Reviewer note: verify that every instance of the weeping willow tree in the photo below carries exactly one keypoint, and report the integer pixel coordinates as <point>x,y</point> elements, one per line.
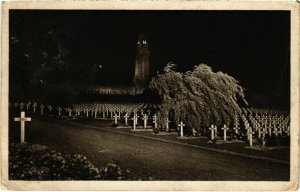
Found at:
<point>199,98</point>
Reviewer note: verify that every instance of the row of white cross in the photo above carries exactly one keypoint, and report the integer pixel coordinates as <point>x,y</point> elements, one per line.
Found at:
<point>93,108</point>
<point>22,119</point>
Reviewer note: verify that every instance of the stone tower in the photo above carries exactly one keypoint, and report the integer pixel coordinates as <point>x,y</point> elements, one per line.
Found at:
<point>142,67</point>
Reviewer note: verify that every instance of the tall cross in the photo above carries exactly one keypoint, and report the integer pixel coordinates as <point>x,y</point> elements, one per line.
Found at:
<point>181,125</point>
<point>95,113</point>
<point>250,136</point>
<point>103,113</point>
<point>22,120</point>
<point>134,120</point>
<point>116,118</point>
<point>264,132</point>
<point>59,111</point>
<point>145,118</point>
<point>225,131</point>
<point>167,123</point>
<point>212,135</point>
<point>126,118</point>
<point>34,106</point>
<point>259,132</point>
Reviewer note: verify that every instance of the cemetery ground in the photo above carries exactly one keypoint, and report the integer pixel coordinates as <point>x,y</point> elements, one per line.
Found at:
<point>149,156</point>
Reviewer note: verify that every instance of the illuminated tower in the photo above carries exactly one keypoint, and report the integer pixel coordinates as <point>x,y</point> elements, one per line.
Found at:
<point>142,67</point>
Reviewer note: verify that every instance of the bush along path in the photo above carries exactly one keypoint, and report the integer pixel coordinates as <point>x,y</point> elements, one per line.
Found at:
<point>36,162</point>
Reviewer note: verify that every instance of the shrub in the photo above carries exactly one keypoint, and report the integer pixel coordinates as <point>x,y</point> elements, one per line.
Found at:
<point>36,162</point>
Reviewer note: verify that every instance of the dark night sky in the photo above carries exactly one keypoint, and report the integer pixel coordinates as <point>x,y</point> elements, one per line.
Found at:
<point>251,46</point>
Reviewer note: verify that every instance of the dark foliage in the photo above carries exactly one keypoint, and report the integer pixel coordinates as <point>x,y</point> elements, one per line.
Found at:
<point>36,162</point>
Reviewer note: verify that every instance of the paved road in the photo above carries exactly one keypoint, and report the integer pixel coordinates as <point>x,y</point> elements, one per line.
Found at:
<point>165,161</point>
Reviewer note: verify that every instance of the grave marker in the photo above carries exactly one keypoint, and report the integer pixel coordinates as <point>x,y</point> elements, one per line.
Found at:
<point>49,108</point>
<point>116,118</point>
<point>236,129</point>
<point>34,106</point>
<point>145,118</point>
<point>212,135</point>
<point>70,111</point>
<point>287,131</point>
<point>28,105</point>
<point>250,136</point>
<point>167,123</point>
<point>21,105</point>
<point>126,118</point>
<point>95,113</point>
<point>264,132</point>
<point>181,125</point>
<point>22,120</point>
<point>59,111</point>
<point>225,131</point>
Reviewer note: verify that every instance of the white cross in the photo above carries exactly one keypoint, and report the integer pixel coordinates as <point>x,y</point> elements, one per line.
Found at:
<point>181,125</point>
<point>287,131</point>
<point>258,132</point>
<point>116,118</point>
<point>78,112</point>
<point>247,127</point>
<point>276,132</point>
<point>225,130</point>
<point>50,108</point>
<point>95,112</point>
<point>212,128</point>
<point>59,111</point>
<point>280,129</point>
<point>134,120</point>
<point>155,121</point>
<point>70,112</point>
<point>28,105</point>
<point>21,106</point>
<point>250,136</point>
<point>34,106</point>
<point>22,120</point>
<point>126,118</point>
<point>264,131</point>
<point>87,113</point>
<point>236,128</point>
<point>145,118</point>
<point>167,124</point>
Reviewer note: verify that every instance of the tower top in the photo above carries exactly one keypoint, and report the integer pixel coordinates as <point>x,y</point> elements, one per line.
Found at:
<point>142,66</point>
<point>142,40</point>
